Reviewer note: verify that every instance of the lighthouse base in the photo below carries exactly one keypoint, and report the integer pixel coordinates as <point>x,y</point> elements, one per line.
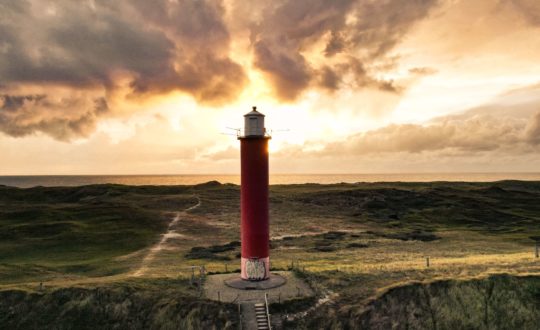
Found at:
<point>273,281</point>
<point>255,269</point>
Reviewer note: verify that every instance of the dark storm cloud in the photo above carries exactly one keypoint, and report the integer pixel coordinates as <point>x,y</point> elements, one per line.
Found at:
<point>364,31</point>
<point>13,102</point>
<point>101,49</point>
<point>335,45</point>
<point>288,71</point>
<point>284,30</point>
<point>95,46</point>
<point>203,67</point>
<point>196,23</point>
<point>78,44</point>
<point>329,79</point>
<point>22,115</point>
<point>81,50</point>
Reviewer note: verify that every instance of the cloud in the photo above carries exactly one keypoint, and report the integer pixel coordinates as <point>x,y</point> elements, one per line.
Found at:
<point>85,44</point>
<point>202,63</point>
<point>63,118</point>
<point>329,79</point>
<point>509,124</point>
<point>78,47</point>
<point>132,50</point>
<point>357,35</point>
<point>472,135</point>
<point>288,71</point>
<point>476,134</point>
<point>95,47</point>
<point>528,9</point>
<point>422,71</point>
<point>532,132</point>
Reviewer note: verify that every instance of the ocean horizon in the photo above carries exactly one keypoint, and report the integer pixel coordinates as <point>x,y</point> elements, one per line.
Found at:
<point>27,181</point>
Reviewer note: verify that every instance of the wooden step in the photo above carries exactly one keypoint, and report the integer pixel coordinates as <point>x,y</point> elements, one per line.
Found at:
<point>261,317</point>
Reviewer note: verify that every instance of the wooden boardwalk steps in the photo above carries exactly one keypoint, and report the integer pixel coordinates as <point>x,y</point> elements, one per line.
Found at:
<point>255,316</point>
<point>261,316</point>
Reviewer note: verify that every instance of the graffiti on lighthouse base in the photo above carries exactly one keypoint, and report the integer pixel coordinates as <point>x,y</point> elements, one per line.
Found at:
<point>255,269</point>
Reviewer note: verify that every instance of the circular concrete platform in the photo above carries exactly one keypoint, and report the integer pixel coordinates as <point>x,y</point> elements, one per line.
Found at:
<point>273,281</point>
<point>216,289</point>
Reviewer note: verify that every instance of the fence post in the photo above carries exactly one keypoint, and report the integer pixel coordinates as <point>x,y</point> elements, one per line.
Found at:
<point>537,248</point>
<point>202,271</point>
<point>200,280</point>
<point>240,316</point>
<point>427,262</point>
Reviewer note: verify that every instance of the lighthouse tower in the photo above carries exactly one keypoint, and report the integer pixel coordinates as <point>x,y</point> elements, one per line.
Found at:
<point>255,264</point>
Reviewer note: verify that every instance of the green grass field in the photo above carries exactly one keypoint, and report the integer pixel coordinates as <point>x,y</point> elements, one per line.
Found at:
<point>351,242</point>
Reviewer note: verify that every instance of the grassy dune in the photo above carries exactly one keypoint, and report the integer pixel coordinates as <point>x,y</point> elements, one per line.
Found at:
<point>496,302</point>
<point>46,231</point>
<point>352,242</point>
<point>126,305</point>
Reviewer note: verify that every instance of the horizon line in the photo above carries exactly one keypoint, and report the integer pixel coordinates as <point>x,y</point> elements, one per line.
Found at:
<point>279,173</point>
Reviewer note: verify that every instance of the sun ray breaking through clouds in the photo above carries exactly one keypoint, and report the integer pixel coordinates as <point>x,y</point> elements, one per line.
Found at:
<point>372,86</point>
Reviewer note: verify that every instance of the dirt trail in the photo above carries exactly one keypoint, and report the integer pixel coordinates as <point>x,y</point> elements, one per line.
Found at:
<point>165,237</point>
<point>316,233</point>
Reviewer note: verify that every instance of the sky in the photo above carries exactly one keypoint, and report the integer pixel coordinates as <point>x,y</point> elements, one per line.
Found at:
<point>347,86</point>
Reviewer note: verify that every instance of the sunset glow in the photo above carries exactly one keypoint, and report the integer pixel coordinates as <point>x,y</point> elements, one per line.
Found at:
<point>131,87</point>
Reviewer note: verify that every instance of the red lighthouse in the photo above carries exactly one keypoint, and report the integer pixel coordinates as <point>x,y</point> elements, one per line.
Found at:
<point>255,231</point>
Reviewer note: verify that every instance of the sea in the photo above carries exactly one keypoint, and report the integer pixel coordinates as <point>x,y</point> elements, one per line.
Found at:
<point>27,181</point>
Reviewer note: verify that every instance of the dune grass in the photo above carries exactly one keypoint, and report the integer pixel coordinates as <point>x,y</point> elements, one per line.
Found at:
<point>354,240</point>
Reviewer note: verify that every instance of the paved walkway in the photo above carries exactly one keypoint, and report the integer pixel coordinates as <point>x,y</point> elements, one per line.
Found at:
<point>215,289</point>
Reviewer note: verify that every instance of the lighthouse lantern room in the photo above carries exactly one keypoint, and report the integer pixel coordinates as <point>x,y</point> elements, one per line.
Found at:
<point>254,123</point>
